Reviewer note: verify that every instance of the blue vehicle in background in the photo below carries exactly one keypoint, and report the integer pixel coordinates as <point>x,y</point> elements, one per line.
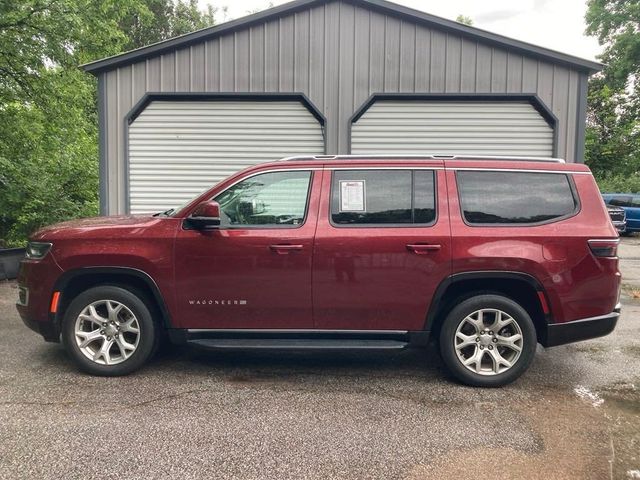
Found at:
<point>631,205</point>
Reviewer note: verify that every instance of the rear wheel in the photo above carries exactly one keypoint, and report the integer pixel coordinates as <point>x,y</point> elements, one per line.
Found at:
<point>488,341</point>
<point>109,331</point>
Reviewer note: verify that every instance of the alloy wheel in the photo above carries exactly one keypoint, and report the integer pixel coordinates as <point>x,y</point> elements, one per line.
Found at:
<point>107,332</point>
<point>488,341</point>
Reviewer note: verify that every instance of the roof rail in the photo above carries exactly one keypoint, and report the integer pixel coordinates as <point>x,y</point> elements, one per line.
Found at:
<point>503,157</point>
<point>424,157</point>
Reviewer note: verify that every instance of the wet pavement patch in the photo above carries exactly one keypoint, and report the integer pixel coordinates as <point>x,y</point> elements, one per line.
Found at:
<point>622,409</point>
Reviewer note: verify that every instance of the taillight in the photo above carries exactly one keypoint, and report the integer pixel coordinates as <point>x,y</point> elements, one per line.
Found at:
<point>607,247</point>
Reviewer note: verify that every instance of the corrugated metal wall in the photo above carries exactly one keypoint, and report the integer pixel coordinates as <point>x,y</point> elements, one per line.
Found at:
<point>179,149</point>
<point>477,128</point>
<point>337,54</point>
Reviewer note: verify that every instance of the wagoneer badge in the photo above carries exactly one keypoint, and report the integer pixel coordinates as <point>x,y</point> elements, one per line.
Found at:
<point>217,302</point>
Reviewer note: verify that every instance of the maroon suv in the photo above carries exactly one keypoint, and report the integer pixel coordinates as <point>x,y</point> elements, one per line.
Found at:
<point>488,256</point>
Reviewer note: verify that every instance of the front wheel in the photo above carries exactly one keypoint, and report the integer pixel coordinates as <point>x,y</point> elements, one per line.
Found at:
<point>488,341</point>
<point>109,331</point>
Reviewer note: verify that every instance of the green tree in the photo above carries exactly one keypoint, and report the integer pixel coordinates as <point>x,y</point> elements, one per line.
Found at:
<point>464,19</point>
<point>47,108</point>
<point>613,136</point>
<point>162,19</point>
<point>48,118</point>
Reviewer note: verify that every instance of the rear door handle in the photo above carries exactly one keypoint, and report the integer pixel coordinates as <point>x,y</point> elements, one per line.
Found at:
<point>284,249</point>
<point>422,248</point>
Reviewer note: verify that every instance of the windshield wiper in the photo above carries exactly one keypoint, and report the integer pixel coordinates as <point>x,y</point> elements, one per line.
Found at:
<point>166,213</point>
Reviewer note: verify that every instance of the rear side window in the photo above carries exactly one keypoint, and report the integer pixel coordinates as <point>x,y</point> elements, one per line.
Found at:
<point>383,197</point>
<point>515,197</point>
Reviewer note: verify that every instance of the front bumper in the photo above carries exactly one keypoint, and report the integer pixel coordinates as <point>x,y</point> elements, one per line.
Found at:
<point>578,330</point>
<point>49,329</point>
<point>36,279</point>
<point>621,227</point>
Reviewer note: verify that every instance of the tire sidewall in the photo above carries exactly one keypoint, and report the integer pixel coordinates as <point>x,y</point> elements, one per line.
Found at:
<point>470,305</point>
<point>133,301</point>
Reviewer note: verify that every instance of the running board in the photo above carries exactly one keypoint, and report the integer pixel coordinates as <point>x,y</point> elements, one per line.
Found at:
<point>296,344</point>
<point>298,339</point>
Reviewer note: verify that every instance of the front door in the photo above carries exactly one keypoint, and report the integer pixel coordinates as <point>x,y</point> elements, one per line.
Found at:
<point>382,247</point>
<point>255,270</point>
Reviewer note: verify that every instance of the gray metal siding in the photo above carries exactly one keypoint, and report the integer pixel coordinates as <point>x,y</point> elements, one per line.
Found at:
<point>452,127</point>
<point>177,149</point>
<point>338,55</point>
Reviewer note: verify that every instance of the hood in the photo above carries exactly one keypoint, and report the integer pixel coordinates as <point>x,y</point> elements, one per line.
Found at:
<point>127,223</point>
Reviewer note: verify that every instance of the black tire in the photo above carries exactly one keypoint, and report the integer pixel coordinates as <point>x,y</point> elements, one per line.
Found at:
<point>468,307</point>
<point>149,334</point>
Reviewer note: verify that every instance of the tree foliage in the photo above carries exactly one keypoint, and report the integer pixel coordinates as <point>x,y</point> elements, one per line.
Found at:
<point>613,132</point>
<point>464,20</point>
<point>162,19</point>
<point>48,118</point>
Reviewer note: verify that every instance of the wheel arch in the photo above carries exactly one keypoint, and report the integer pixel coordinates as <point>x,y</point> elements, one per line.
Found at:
<point>521,287</point>
<point>74,282</point>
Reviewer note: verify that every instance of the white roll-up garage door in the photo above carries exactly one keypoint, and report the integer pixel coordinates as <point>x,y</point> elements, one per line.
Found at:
<point>452,127</point>
<point>177,149</point>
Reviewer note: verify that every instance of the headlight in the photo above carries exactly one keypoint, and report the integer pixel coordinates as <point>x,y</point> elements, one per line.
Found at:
<point>37,250</point>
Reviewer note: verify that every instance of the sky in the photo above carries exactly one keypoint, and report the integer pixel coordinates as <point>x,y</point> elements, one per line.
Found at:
<point>555,24</point>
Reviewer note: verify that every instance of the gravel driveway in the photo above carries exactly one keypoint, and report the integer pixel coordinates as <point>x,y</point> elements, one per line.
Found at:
<point>574,415</point>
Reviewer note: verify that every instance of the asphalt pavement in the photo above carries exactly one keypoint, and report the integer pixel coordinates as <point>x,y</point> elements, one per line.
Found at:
<point>574,415</point>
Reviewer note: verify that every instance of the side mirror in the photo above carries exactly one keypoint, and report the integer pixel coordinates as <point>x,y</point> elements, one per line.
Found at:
<point>206,216</point>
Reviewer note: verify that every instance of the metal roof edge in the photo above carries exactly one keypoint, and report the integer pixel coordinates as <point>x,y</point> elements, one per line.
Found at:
<point>378,5</point>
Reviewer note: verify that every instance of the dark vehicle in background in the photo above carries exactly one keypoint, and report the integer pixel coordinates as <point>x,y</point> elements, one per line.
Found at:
<point>618,218</point>
<point>631,205</point>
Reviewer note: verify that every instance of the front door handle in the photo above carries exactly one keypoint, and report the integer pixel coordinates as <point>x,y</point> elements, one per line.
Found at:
<point>422,248</point>
<point>284,249</point>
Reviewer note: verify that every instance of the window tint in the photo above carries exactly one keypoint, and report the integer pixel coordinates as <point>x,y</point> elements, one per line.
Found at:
<point>514,197</point>
<point>620,201</point>
<point>271,199</point>
<point>378,197</point>
<point>635,202</point>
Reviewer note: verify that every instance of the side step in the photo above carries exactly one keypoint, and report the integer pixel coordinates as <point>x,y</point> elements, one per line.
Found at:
<point>296,344</point>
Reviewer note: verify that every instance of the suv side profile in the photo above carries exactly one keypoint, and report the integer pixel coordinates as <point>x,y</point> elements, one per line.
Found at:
<point>486,256</point>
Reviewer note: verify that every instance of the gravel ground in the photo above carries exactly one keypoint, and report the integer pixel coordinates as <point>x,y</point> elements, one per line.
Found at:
<point>574,415</point>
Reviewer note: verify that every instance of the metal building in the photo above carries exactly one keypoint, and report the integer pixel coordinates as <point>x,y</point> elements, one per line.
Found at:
<point>325,77</point>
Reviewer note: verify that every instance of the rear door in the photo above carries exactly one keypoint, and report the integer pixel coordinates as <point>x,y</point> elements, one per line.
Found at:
<point>382,247</point>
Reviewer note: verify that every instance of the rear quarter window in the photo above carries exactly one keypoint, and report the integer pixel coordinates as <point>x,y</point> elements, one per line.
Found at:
<point>498,198</point>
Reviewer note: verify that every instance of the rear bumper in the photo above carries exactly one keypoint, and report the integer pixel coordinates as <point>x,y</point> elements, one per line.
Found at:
<point>578,330</point>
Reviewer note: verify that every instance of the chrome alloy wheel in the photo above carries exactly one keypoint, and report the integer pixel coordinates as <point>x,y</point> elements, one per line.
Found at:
<point>488,341</point>
<point>107,332</point>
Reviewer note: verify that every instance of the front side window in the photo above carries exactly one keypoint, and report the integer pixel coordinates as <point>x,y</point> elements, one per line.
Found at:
<point>493,197</point>
<point>383,197</point>
<point>277,199</point>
